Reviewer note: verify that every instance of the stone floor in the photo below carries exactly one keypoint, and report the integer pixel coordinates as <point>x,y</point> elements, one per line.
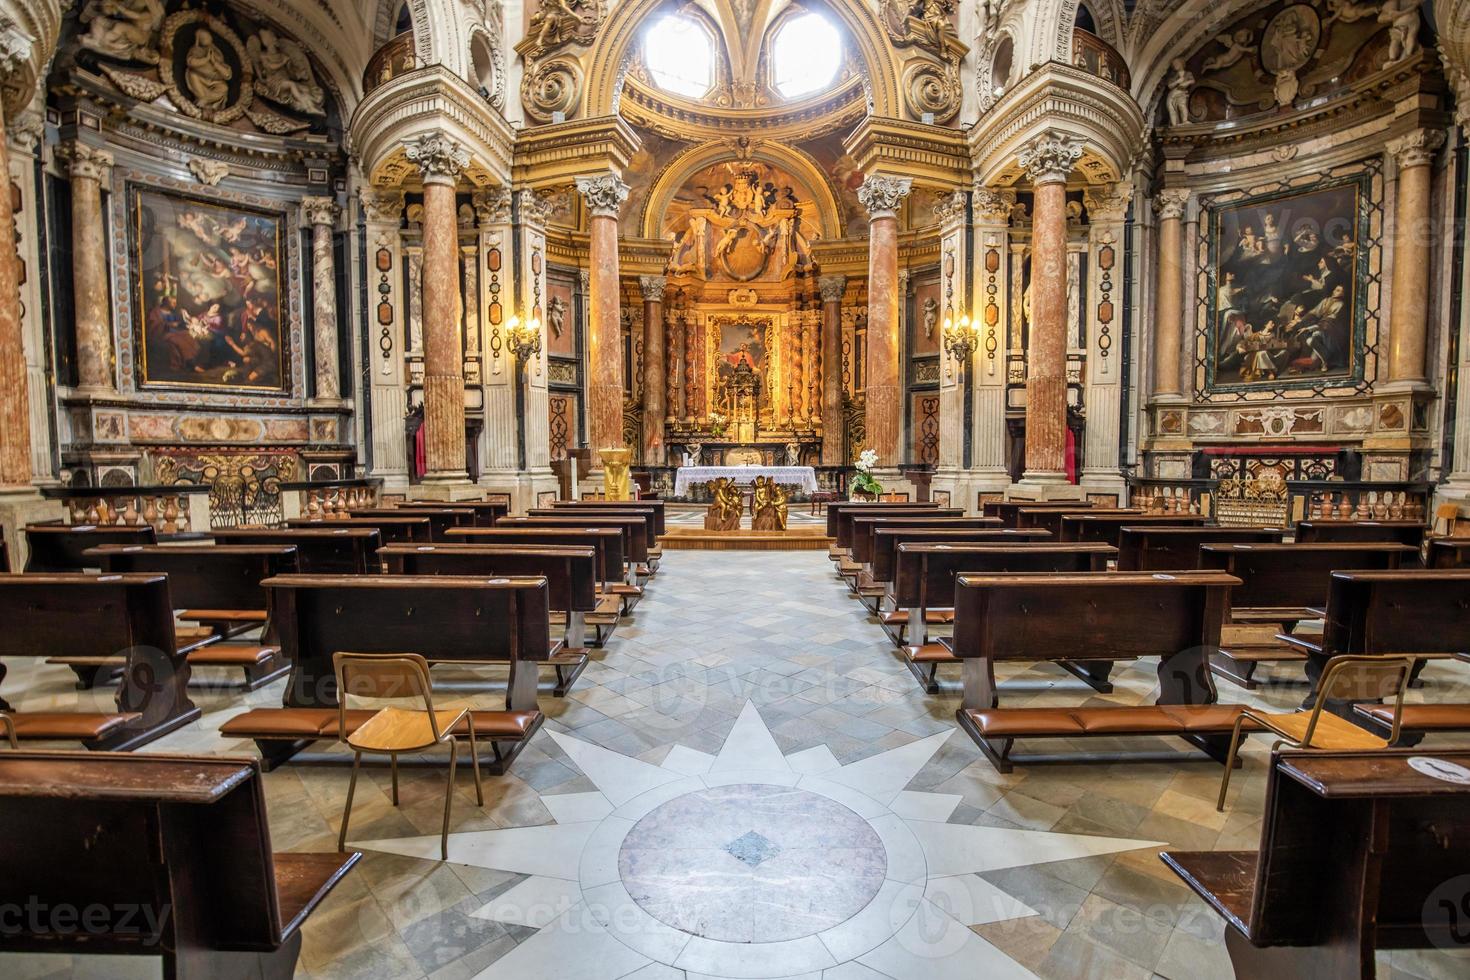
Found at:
<point>661,825</point>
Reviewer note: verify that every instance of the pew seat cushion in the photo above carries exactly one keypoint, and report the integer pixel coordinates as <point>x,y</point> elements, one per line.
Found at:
<point>1007,722</point>
<point>68,725</point>
<point>224,615</point>
<point>930,653</point>
<point>295,723</point>
<point>934,617</point>
<point>1150,719</point>
<point>184,635</point>
<point>1420,717</point>
<point>232,655</point>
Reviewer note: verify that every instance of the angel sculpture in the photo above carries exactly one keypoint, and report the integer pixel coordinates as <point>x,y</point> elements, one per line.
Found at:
<point>283,73</point>
<point>724,512</point>
<point>768,505</point>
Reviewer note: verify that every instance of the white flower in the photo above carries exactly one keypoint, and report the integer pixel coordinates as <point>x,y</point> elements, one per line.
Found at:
<point>867,460</point>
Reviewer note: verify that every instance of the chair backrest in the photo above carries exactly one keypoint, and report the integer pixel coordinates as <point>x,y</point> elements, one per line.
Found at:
<point>8,727</point>
<point>383,677</point>
<point>1360,678</point>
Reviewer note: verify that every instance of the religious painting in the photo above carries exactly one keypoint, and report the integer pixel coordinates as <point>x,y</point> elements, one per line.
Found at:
<point>1285,299</point>
<point>209,287</point>
<point>741,221</point>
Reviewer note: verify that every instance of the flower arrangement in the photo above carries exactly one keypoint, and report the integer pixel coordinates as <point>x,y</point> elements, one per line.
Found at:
<point>863,483</point>
<point>717,423</point>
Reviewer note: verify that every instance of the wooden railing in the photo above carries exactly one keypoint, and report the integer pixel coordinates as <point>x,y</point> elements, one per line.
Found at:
<point>1361,500</point>
<point>1095,56</point>
<point>167,508</point>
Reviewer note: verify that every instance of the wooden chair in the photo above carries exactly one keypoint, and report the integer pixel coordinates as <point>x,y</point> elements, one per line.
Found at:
<point>8,728</point>
<point>394,730</point>
<point>894,497</point>
<point>1447,516</point>
<point>1346,678</point>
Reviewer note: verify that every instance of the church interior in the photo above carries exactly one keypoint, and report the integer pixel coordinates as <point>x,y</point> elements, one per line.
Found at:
<point>868,489</point>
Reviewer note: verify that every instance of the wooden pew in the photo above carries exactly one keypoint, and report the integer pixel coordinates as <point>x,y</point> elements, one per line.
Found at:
<point>1092,620</point>
<point>1355,851</point>
<point>392,529</point>
<point>1150,548</point>
<point>319,550</point>
<point>657,506</point>
<point>63,547</point>
<point>1280,585</point>
<point>847,566</point>
<point>635,545</point>
<point>1108,527</point>
<point>924,580</point>
<point>446,619</point>
<point>835,510</point>
<point>1449,553</point>
<point>101,616</point>
<point>483,513</point>
<point>441,519</point>
<point>1009,510</point>
<point>169,856</point>
<point>650,525</point>
<point>1411,533</point>
<point>608,541</point>
<point>1050,518</point>
<point>863,528</point>
<point>571,582</point>
<point>886,540</point>
<point>217,586</point>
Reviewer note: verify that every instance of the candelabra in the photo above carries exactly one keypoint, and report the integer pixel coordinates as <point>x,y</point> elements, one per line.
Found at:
<point>523,339</point>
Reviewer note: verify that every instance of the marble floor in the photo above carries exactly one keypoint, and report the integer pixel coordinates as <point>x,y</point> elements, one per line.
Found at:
<point>747,783</point>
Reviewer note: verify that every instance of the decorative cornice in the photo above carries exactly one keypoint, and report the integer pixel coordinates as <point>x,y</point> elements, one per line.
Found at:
<point>1170,203</point>
<point>832,288</point>
<point>1051,157</point>
<point>85,162</point>
<point>882,194</point>
<point>440,159</point>
<point>683,119</point>
<point>933,155</point>
<point>555,155</point>
<point>1416,148</point>
<point>652,288</point>
<point>604,194</point>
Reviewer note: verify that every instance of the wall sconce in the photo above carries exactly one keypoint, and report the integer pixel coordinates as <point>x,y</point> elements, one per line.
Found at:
<point>961,339</point>
<point>523,339</point>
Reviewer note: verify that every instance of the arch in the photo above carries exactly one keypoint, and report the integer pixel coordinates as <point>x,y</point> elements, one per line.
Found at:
<point>617,39</point>
<point>1054,20</point>
<point>782,155</point>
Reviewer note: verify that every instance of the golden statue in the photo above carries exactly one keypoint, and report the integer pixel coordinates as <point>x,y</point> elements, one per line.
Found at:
<point>615,476</point>
<point>724,513</point>
<point>768,505</point>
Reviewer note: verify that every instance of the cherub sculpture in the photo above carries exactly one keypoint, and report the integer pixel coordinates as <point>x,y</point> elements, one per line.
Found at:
<point>768,505</point>
<point>724,512</point>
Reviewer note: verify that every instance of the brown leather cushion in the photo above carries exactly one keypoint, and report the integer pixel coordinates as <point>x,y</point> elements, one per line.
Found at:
<point>1209,717</point>
<point>625,589</point>
<point>1171,719</point>
<point>231,655</point>
<point>224,615</point>
<point>934,617</point>
<point>1144,718</point>
<point>265,723</point>
<point>1444,717</point>
<point>1004,722</point>
<point>68,725</point>
<point>930,653</point>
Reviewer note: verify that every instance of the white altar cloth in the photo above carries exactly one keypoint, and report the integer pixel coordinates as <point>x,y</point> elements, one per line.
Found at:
<point>798,476</point>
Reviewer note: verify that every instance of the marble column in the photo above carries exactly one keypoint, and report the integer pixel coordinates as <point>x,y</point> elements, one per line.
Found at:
<point>882,195</point>
<point>1413,227</point>
<point>89,168</point>
<point>1107,208</point>
<point>441,160</point>
<point>1169,332</point>
<point>832,288</point>
<point>15,423</point>
<point>1048,161</point>
<point>604,196</point>
<point>321,213</point>
<point>674,353</point>
<point>993,209</point>
<point>654,406</point>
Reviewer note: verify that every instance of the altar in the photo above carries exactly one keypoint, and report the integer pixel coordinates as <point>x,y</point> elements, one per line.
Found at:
<point>804,477</point>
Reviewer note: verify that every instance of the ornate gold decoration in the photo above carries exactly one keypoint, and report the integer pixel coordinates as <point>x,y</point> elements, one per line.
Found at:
<point>768,505</point>
<point>724,513</point>
<point>616,481</point>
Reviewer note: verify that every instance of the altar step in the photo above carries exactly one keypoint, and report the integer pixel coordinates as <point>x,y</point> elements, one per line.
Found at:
<point>792,539</point>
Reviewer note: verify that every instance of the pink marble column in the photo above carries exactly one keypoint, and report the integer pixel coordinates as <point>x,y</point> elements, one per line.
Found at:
<point>654,406</point>
<point>88,168</point>
<point>882,196</point>
<point>1413,228</point>
<point>440,160</point>
<point>15,424</point>
<point>674,351</point>
<point>1169,334</point>
<point>832,288</point>
<point>604,195</point>
<point>1048,161</point>
<point>321,213</point>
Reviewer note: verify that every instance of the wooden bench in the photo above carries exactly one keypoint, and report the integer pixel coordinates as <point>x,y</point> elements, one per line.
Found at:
<point>607,541</point>
<point>446,619</point>
<point>646,568</point>
<point>1411,533</point>
<point>657,506</point>
<point>167,856</point>
<point>1149,548</point>
<point>1092,620</point>
<point>885,542</point>
<point>856,569</point>
<point>834,519</point>
<point>571,582</point>
<point>847,567</point>
<point>1108,527</point>
<point>392,529</point>
<point>482,513</point>
<point>924,582</point>
<point>1009,510</point>
<point>635,543</point>
<point>319,550</point>
<point>102,617</point>
<point>1356,851</point>
<point>1050,518</point>
<point>218,587</point>
<point>1281,585</point>
<point>63,547</point>
<point>441,519</point>
<point>1449,553</point>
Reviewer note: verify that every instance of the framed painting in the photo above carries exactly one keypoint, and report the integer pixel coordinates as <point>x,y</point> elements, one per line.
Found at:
<point>1285,293</point>
<point>209,282</point>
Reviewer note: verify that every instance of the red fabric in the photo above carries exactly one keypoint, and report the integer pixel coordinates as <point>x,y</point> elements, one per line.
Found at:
<point>420,455</point>
<point>1071,455</point>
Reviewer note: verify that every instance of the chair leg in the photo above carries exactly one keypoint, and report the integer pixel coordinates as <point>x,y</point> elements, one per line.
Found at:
<point>448,799</point>
<point>1229,763</point>
<point>347,811</point>
<point>394,765</point>
<point>475,763</point>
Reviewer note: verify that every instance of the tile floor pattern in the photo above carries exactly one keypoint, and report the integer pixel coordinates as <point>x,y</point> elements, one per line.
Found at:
<point>761,657</point>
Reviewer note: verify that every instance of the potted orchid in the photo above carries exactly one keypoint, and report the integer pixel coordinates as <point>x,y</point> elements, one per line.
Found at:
<point>717,423</point>
<point>864,487</point>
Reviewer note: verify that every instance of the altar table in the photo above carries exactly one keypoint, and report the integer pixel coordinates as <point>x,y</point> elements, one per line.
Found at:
<point>692,476</point>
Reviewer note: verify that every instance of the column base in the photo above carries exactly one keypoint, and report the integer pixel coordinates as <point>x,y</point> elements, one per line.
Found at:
<point>20,506</point>
<point>1045,485</point>
<point>445,486</point>
<point>1106,481</point>
<point>524,487</point>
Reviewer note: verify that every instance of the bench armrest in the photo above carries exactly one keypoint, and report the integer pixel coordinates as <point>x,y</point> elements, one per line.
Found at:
<point>303,880</point>
<point>1299,643</point>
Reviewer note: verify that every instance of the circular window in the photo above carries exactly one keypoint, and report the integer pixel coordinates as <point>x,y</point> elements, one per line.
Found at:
<point>805,55</point>
<point>680,56</point>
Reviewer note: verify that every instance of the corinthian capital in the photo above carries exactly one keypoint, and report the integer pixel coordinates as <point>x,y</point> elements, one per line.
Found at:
<point>950,208</point>
<point>15,52</point>
<point>1416,148</point>
<point>439,158</point>
<point>492,207</point>
<point>653,288</point>
<point>382,206</point>
<point>536,208</point>
<point>1170,203</point>
<point>882,194</point>
<point>604,194</point>
<point>1050,157</point>
<point>86,162</point>
<point>993,205</point>
<point>320,210</point>
<point>832,288</point>
<point>1108,203</point>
